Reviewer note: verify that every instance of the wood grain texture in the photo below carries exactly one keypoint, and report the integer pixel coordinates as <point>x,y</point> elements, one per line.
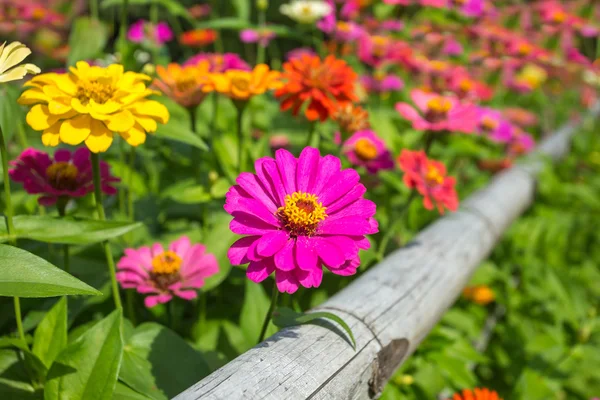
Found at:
<point>390,308</point>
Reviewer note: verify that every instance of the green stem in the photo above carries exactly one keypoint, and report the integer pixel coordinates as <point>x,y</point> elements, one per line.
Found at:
<point>260,50</point>
<point>107,250</point>
<point>215,15</point>
<point>123,27</point>
<point>429,138</point>
<point>130,212</point>
<point>192,113</point>
<point>22,136</point>
<point>122,193</point>
<point>10,228</point>
<point>390,231</point>
<point>274,296</point>
<point>215,114</point>
<point>61,205</point>
<point>94,9</point>
<point>314,137</point>
<point>241,137</point>
<point>129,298</point>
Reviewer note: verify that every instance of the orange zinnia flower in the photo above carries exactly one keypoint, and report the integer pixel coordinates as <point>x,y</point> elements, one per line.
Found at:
<point>241,85</point>
<point>183,84</point>
<point>198,37</point>
<point>476,394</point>
<point>480,294</point>
<point>323,84</point>
<point>351,118</point>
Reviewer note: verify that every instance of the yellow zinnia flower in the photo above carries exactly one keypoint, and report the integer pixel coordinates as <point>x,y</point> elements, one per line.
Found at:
<point>242,85</point>
<point>10,57</point>
<point>89,103</point>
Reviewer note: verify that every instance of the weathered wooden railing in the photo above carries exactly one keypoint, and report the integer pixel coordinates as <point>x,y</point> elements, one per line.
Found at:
<point>391,308</point>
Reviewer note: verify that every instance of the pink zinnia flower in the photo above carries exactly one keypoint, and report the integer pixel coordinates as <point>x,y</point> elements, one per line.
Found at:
<point>438,113</point>
<point>299,214</point>
<point>261,36</point>
<point>520,143</point>
<point>493,124</point>
<point>366,149</point>
<point>67,175</point>
<point>382,83</point>
<point>299,53</point>
<point>430,179</point>
<point>220,62</point>
<point>178,271</point>
<point>143,30</point>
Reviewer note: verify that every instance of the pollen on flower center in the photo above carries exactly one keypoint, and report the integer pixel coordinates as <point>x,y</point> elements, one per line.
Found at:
<point>94,90</point>
<point>488,123</point>
<point>365,149</point>
<point>62,175</point>
<point>433,175</point>
<point>437,109</point>
<point>301,213</point>
<point>165,269</point>
<point>306,10</point>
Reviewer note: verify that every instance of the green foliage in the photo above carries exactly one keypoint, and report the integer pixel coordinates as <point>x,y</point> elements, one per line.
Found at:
<point>84,46</point>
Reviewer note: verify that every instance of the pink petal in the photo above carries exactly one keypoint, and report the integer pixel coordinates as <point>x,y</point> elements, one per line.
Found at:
<point>253,186</point>
<point>286,164</point>
<point>329,253</point>
<point>180,246</point>
<point>348,268</point>
<point>157,249</point>
<point>407,112</point>
<point>286,281</point>
<point>237,252</point>
<point>339,185</point>
<point>328,167</point>
<point>306,173</point>
<point>306,255</point>
<point>353,194</point>
<point>246,224</point>
<point>284,258</point>
<point>258,271</point>
<point>151,301</point>
<point>186,294</point>
<point>352,226</point>
<point>272,242</point>
<point>310,278</point>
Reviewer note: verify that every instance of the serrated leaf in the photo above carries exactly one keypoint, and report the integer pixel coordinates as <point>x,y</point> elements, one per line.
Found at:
<point>50,336</point>
<point>82,45</point>
<point>180,133</point>
<point>284,317</point>
<point>68,230</point>
<point>27,275</point>
<point>87,368</point>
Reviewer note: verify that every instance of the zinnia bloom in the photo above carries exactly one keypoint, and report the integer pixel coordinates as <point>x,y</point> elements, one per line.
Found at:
<point>299,214</point>
<point>242,85</point>
<point>65,175</point>
<point>220,62</point>
<point>261,36</point>
<point>323,84</point>
<point>366,149</point>
<point>183,84</point>
<point>306,11</point>
<point>438,113</point>
<point>178,271</point>
<point>480,294</point>
<point>88,104</point>
<point>144,30</point>
<point>351,118</point>
<point>10,57</point>
<point>476,394</point>
<point>198,37</point>
<point>430,179</point>
<point>382,83</point>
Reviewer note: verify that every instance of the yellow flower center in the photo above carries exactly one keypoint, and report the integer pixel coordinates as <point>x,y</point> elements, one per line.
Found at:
<point>379,45</point>
<point>465,85</point>
<point>438,66</point>
<point>187,80</point>
<point>94,90</point>
<point>365,149</point>
<point>524,48</point>
<point>306,10</point>
<point>439,105</point>
<point>167,262</point>
<point>343,26</point>
<point>433,176</point>
<point>62,175</point>
<point>488,123</point>
<point>301,213</point>
<point>559,16</point>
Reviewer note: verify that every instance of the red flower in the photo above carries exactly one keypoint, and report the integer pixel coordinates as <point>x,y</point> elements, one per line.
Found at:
<point>476,394</point>
<point>430,179</point>
<point>323,84</point>
<point>198,37</point>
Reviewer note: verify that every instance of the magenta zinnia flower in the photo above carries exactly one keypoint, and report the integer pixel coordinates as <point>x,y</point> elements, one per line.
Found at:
<point>178,271</point>
<point>299,214</point>
<point>67,175</point>
<point>366,149</point>
<point>143,30</point>
<point>439,113</point>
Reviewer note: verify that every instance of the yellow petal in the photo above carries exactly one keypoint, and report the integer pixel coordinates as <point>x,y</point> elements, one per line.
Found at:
<point>134,136</point>
<point>38,117</point>
<point>14,74</point>
<point>77,106</point>
<point>120,122</point>
<point>148,124</point>
<point>51,136</point>
<point>33,96</point>
<point>66,84</point>
<point>53,91</point>
<point>107,108</point>
<point>12,55</point>
<point>100,139</point>
<point>153,109</point>
<point>75,130</point>
<point>57,108</point>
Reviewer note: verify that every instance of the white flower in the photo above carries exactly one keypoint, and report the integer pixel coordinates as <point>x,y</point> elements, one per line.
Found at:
<point>306,11</point>
<point>11,56</point>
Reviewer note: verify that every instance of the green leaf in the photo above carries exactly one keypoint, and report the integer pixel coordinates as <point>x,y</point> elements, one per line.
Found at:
<point>218,240</point>
<point>51,334</point>
<point>255,307</point>
<point>220,188</point>
<point>88,367</point>
<point>242,8</point>
<point>10,111</point>
<point>284,317</point>
<point>124,392</point>
<point>27,275</point>
<point>186,192</point>
<point>15,382</point>
<point>160,364</point>
<point>83,45</point>
<point>226,151</point>
<point>173,7</point>
<point>68,230</point>
<point>225,23</point>
<point>181,133</point>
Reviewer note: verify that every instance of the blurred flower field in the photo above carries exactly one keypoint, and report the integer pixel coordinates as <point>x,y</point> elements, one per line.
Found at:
<point>177,174</point>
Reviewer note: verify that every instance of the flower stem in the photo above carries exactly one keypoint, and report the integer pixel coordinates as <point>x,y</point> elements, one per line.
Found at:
<point>130,212</point>
<point>94,9</point>
<point>241,139</point>
<point>260,49</point>
<point>10,228</point>
<point>129,299</point>
<point>215,99</point>
<point>269,316</point>
<point>154,21</point>
<point>314,137</point>
<point>102,217</point>
<point>61,205</point>
<point>123,27</point>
